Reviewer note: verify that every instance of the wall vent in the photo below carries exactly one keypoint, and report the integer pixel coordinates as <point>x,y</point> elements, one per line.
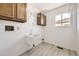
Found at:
<point>59,47</point>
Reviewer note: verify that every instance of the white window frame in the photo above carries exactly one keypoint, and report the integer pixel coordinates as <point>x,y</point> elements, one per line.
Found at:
<point>63,21</point>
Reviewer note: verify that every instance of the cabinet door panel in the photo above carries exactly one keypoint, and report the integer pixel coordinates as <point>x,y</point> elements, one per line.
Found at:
<point>38,18</point>
<point>44,20</point>
<point>7,10</point>
<point>21,11</point>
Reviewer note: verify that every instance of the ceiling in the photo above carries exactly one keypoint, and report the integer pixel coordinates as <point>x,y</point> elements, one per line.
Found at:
<point>46,6</point>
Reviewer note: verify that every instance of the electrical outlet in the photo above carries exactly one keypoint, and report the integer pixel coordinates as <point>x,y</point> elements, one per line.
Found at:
<point>42,38</point>
<point>33,45</point>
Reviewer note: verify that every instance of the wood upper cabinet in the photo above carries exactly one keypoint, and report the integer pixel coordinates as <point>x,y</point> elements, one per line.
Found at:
<point>13,12</point>
<point>41,19</point>
<point>7,11</point>
<point>21,12</point>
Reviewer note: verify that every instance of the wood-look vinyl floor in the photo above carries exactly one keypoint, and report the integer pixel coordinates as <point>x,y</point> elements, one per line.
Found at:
<point>46,49</point>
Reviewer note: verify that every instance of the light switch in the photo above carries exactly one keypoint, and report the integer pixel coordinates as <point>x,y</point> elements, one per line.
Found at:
<point>18,28</point>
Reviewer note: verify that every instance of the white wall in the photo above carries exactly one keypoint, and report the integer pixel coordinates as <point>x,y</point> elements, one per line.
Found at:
<point>16,42</point>
<point>78,29</point>
<point>61,36</point>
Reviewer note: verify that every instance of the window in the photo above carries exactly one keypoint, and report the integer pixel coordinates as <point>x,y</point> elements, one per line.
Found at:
<point>58,20</point>
<point>62,19</point>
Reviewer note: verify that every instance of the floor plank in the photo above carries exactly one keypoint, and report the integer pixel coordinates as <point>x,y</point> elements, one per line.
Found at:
<point>46,49</point>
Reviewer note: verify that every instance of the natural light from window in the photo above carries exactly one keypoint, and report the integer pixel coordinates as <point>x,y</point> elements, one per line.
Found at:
<point>62,19</point>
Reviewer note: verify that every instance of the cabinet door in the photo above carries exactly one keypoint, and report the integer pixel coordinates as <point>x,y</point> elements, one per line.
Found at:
<point>41,19</point>
<point>7,10</point>
<point>21,12</point>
